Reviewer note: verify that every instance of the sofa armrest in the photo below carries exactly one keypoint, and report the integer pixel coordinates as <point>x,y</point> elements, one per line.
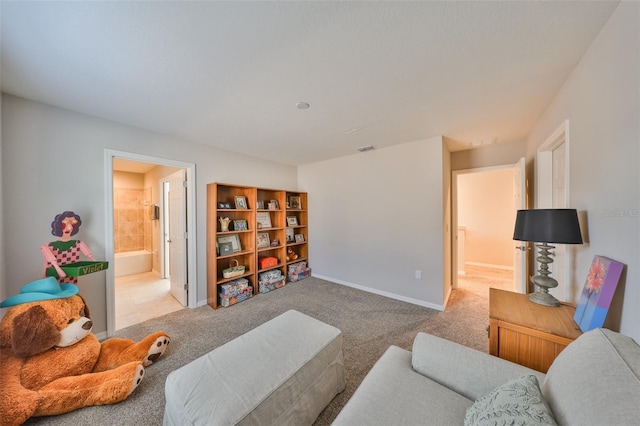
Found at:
<point>464,370</point>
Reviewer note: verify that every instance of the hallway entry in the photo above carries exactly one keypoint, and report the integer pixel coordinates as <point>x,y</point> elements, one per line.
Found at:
<point>485,202</point>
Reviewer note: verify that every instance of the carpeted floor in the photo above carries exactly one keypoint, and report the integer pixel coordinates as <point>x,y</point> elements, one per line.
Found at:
<point>369,323</point>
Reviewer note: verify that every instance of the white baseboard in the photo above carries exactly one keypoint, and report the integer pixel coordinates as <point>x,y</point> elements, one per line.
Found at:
<point>382,293</point>
<point>489,265</point>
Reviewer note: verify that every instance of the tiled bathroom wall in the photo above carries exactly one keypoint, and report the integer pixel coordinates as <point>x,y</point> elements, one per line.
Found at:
<point>132,219</point>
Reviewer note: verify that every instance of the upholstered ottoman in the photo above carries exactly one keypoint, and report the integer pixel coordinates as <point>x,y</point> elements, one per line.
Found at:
<point>286,371</point>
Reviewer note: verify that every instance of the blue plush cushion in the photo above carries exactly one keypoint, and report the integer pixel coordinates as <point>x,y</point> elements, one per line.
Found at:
<point>517,402</point>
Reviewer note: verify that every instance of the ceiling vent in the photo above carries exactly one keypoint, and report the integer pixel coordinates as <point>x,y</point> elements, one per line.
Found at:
<point>365,148</point>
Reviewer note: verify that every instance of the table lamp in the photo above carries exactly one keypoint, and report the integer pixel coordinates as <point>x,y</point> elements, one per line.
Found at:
<point>546,226</point>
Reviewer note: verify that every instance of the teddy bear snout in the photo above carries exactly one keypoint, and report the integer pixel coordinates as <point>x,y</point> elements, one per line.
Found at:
<point>75,332</point>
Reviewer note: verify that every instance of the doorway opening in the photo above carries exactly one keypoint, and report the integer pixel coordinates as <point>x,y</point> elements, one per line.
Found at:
<point>148,224</point>
<point>485,201</point>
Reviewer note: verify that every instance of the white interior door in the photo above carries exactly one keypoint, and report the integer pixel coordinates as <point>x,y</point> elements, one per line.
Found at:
<point>165,230</point>
<point>177,236</point>
<point>520,251</point>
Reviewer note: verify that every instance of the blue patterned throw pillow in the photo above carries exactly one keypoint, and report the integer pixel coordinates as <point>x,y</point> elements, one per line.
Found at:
<point>517,402</point>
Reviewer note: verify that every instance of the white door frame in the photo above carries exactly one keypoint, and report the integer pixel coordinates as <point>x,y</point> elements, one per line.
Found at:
<point>544,189</point>
<point>544,167</point>
<point>109,155</point>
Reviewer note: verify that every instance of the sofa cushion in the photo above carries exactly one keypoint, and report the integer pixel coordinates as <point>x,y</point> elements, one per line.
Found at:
<point>595,380</point>
<point>519,401</point>
<point>393,394</point>
<point>464,370</point>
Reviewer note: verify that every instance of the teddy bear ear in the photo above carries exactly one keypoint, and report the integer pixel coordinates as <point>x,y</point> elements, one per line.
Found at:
<point>33,332</point>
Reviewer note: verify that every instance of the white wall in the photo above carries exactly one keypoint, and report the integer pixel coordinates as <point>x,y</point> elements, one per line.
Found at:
<point>128,180</point>
<point>489,155</point>
<point>485,207</point>
<point>377,217</point>
<point>601,101</point>
<point>53,160</point>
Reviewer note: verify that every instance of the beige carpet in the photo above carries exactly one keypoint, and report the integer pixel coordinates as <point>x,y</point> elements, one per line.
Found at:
<point>369,323</point>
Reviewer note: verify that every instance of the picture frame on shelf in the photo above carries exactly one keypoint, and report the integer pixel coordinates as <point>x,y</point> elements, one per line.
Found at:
<point>275,204</point>
<point>289,235</point>
<point>263,219</point>
<point>263,240</point>
<point>292,221</point>
<point>227,206</point>
<point>222,205</point>
<point>299,238</point>
<point>260,205</point>
<point>240,225</point>
<point>240,202</point>
<point>295,202</point>
<point>233,239</point>
<point>225,249</point>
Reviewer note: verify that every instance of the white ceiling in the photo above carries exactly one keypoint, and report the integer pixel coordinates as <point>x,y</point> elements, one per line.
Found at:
<point>229,74</point>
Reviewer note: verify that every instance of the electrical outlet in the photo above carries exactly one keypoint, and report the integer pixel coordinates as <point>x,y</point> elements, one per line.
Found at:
<point>418,274</point>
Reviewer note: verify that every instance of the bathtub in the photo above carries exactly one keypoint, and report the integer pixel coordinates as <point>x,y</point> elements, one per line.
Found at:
<point>132,262</point>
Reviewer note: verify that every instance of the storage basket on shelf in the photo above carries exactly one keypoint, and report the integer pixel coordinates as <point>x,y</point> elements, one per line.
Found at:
<point>233,271</point>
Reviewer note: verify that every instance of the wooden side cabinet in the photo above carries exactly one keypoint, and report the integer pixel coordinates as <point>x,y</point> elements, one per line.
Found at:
<point>527,333</point>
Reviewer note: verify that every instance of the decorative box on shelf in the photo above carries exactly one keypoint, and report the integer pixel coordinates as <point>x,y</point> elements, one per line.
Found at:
<point>267,262</point>
<point>270,280</point>
<point>298,271</point>
<point>232,299</point>
<point>234,287</point>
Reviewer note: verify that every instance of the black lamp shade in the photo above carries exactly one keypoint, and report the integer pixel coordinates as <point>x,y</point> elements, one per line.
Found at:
<point>548,226</point>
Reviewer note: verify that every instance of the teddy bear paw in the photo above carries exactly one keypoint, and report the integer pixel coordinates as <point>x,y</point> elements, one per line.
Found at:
<point>156,350</point>
<point>137,378</point>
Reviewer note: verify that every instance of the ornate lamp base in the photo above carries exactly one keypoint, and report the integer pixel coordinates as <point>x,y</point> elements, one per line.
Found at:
<point>543,281</point>
<point>543,298</point>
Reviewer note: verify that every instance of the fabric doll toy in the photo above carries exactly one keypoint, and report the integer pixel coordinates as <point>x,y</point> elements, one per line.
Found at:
<point>65,250</point>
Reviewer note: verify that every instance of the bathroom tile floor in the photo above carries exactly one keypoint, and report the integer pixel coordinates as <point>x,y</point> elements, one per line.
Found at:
<point>143,296</point>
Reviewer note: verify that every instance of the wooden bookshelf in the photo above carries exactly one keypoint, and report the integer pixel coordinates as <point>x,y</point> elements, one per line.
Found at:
<point>265,214</point>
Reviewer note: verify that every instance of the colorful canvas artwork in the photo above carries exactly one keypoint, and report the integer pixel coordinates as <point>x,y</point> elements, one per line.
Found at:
<point>597,294</point>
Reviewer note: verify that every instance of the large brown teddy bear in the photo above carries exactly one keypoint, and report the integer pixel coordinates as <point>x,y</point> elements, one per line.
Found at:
<point>51,363</point>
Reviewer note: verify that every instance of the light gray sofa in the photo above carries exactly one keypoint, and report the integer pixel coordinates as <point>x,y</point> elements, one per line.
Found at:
<point>594,381</point>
